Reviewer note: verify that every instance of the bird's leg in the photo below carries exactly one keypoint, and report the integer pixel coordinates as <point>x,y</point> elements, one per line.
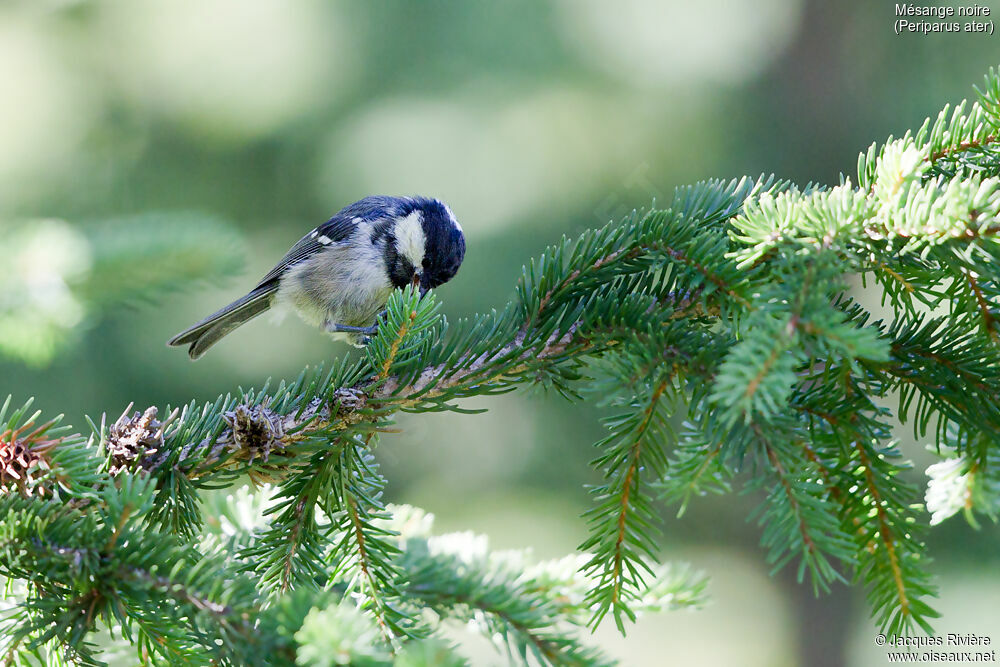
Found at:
<point>333,327</point>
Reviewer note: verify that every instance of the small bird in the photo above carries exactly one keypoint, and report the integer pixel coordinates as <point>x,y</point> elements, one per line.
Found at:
<point>340,275</point>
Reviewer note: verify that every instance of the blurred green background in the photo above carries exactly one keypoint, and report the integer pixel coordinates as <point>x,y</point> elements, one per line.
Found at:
<point>531,119</point>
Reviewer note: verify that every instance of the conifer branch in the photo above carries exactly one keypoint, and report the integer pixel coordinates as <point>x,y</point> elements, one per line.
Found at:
<point>884,532</point>
<point>548,649</point>
<point>631,484</point>
<point>689,484</point>
<point>962,146</point>
<point>288,560</point>
<point>518,611</point>
<point>793,502</point>
<point>373,589</point>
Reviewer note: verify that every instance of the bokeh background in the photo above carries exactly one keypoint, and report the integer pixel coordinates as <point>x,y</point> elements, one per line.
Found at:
<point>533,119</point>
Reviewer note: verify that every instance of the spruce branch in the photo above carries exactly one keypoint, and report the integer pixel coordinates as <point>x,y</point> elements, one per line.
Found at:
<point>471,586</point>
<point>366,547</point>
<point>896,599</point>
<point>532,612</point>
<point>813,532</point>
<point>967,480</point>
<point>622,524</point>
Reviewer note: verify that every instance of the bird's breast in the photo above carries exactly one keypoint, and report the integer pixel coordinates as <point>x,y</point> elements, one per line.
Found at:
<point>346,284</point>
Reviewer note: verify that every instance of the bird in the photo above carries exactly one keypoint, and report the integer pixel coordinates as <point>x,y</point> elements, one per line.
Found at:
<point>340,275</point>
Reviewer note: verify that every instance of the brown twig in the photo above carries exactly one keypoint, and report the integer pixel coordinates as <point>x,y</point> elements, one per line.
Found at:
<point>963,146</point>
<point>989,322</point>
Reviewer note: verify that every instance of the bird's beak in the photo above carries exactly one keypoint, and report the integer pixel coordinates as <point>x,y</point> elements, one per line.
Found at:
<point>416,283</point>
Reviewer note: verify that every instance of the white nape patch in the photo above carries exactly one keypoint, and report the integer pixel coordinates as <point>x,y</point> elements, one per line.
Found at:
<point>451,216</point>
<point>325,240</point>
<point>410,238</point>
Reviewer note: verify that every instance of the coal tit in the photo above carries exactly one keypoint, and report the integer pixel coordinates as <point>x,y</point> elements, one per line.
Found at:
<point>340,275</point>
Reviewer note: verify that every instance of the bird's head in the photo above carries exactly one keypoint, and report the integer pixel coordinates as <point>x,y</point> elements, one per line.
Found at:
<point>426,245</point>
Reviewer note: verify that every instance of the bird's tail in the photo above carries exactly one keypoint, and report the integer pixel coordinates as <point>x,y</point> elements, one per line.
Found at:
<point>206,333</point>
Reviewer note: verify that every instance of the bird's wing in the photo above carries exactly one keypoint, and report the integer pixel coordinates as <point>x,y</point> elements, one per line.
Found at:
<point>336,229</point>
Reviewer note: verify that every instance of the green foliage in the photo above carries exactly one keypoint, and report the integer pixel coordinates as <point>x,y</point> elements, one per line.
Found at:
<point>339,635</point>
<point>519,606</point>
<point>57,277</point>
<point>719,338</point>
<point>623,524</point>
<point>968,482</point>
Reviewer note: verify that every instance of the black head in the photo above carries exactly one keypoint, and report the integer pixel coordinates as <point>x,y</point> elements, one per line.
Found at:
<point>426,244</point>
<point>444,244</point>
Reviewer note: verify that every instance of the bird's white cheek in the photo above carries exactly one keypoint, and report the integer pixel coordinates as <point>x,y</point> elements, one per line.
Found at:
<point>410,238</point>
